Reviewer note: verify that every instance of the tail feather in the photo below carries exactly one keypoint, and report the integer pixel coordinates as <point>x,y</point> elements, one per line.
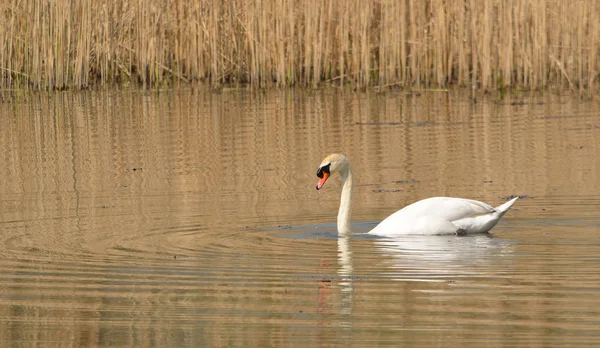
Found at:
<point>504,207</point>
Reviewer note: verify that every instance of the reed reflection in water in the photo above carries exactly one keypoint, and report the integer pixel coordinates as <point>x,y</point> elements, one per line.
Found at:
<point>180,218</point>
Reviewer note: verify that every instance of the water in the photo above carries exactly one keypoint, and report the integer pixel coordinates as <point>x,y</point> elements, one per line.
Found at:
<point>190,219</point>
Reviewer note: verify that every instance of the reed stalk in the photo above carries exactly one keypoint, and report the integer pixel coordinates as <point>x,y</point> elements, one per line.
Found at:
<point>487,44</point>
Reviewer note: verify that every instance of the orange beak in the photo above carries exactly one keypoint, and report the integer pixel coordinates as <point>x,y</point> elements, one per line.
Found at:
<point>322,180</point>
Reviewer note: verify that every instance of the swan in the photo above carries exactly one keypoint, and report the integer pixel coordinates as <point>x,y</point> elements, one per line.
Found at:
<point>430,216</point>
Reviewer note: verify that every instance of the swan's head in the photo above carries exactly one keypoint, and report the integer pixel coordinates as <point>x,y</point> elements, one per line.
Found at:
<point>333,163</point>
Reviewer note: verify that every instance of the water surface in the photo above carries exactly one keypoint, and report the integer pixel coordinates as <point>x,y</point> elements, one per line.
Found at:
<point>189,219</point>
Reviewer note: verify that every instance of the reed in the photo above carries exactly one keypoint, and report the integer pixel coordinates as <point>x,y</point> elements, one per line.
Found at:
<point>485,44</point>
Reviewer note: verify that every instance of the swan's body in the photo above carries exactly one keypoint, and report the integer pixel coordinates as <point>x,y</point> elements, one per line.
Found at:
<point>431,216</point>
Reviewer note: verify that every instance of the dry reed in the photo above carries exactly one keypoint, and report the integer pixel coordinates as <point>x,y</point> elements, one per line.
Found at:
<point>484,44</point>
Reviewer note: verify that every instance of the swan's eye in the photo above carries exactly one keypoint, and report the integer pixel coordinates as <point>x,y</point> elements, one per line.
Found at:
<point>323,169</point>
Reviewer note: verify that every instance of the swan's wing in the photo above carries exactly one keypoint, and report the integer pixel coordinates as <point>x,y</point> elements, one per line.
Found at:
<point>447,208</point>
<point>477,207</point>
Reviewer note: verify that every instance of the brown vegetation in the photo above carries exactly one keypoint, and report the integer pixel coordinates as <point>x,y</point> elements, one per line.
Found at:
<point>485,44</point>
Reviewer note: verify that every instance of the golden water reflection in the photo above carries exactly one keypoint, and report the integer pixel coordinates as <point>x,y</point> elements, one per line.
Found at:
<point>180,218</point>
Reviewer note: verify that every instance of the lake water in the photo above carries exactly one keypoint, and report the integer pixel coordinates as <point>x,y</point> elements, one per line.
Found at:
<point>191,219</point>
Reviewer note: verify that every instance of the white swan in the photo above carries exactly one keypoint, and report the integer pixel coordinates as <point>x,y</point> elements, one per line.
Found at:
<point>431,216</point>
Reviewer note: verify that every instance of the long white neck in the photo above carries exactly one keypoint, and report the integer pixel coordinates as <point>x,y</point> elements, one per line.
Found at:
<point>343,219</point>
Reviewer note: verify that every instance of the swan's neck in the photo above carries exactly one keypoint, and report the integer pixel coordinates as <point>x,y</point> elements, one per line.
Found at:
<point>343,219</point>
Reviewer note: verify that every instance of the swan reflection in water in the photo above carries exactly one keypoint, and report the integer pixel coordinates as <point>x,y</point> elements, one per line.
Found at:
<point>413,258</point>
<point>345,273</point>
<point>420,259</point>
<point>439,258</point>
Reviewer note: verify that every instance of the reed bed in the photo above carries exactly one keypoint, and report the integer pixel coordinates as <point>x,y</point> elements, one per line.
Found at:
<point>487,44</point>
